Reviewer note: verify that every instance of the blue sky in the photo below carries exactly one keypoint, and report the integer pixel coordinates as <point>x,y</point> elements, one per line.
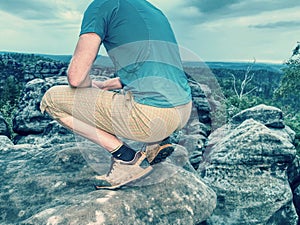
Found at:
<point>214,30</point>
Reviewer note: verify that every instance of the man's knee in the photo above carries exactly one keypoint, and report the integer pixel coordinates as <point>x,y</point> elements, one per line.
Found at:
<point>51,99</point>
<point>47,99</point>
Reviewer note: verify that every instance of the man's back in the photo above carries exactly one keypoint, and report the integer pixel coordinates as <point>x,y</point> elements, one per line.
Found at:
<point>141,43</point>
<point>126,21</point>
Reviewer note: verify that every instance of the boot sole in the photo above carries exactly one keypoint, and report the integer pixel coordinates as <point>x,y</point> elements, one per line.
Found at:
<point>162,155</point>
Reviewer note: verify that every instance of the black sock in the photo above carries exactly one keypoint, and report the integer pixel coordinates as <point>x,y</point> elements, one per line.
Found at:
<point>167,140</point>
<point>124,153</point>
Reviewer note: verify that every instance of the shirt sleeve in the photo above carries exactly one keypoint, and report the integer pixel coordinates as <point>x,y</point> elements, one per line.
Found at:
<point>96,18</point>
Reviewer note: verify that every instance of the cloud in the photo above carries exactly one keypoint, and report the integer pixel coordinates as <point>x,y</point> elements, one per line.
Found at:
<point>210,10</point>
<point>210,6</point>
<point>279,24</point>
<point>30,9</point>
<point>40,10</point>
<point>213,29</point>
<point>40,26</point>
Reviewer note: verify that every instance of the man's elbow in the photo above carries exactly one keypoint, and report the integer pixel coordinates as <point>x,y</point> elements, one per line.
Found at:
<point>72,80</point>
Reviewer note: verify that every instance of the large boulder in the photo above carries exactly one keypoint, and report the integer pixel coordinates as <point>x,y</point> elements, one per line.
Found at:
<point>268,115</point>
<point>246,165</point>
<point>52,183</point>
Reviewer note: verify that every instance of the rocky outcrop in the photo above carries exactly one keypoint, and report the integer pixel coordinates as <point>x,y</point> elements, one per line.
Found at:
<point>61,173</point>
<point>26,67</point>
<point>51,182</point>
<point>9,66</point>
<point>200,103</point>
<point>246,165</point>
<point>44,69</point>
<point>194,135</point>
<point>4,130</point>
<point>294,180</point>
<point>47,177</point>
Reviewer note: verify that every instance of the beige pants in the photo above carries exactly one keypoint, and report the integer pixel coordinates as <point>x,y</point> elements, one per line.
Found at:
<point>115,113</point>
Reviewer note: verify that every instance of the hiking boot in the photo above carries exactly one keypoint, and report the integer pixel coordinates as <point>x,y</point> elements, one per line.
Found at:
<point>159,152</point>
<point>122,172</point>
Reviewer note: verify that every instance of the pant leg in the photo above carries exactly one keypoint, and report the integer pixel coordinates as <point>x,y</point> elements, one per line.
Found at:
<point>89,105</point>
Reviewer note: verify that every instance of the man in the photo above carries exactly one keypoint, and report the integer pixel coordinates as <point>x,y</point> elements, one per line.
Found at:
<point>155,99</point>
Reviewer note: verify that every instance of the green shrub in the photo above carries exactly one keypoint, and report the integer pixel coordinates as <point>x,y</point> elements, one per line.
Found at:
<point>292,119</point>
<point>10,96</point>
<point>236,105</point>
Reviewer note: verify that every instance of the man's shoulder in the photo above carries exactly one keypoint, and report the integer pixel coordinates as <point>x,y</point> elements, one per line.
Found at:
<point>102,7</point>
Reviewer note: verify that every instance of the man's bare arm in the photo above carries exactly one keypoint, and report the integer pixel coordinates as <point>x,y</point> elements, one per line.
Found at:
<point>83,58</point>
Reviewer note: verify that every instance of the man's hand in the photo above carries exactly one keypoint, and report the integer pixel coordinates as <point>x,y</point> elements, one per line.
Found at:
<point>98,84</point>
<point>110,84</point>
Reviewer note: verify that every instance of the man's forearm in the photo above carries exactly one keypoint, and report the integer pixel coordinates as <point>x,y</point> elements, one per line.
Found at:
<point>85,53</point>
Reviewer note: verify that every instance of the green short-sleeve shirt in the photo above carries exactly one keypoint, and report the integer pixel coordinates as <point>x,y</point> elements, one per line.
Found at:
<point>140,41</point>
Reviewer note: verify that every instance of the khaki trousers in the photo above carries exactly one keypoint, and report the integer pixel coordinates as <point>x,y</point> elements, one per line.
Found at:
<point>115,113</point>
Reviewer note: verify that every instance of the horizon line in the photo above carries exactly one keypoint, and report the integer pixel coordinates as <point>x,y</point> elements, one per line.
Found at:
<point>268,61</point>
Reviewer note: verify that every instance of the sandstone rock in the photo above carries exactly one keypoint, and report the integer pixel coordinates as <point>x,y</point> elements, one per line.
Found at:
<point>9,66</point>
<point>43,69</point>
<point>26,67</point>
<point>47,177</point>
<point>53,134</point>
<point>195,142</point>
<point>293,172</point>
<point>296,193</point>
<point>29,119</point>
<point>48,69</point>
<point>5,143</point>
<point>3,126</point>
<point>136,206</point>
<point>54,185</point>
<point>267,115</point>
<point>246,166</point>
<point>200,103</point>
<point>193,136</point>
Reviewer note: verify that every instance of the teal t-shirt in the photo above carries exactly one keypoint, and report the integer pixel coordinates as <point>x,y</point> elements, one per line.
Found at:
<point>140,41</point>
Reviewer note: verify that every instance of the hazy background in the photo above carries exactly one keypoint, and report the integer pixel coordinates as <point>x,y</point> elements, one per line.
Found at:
<point>216,30</point>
